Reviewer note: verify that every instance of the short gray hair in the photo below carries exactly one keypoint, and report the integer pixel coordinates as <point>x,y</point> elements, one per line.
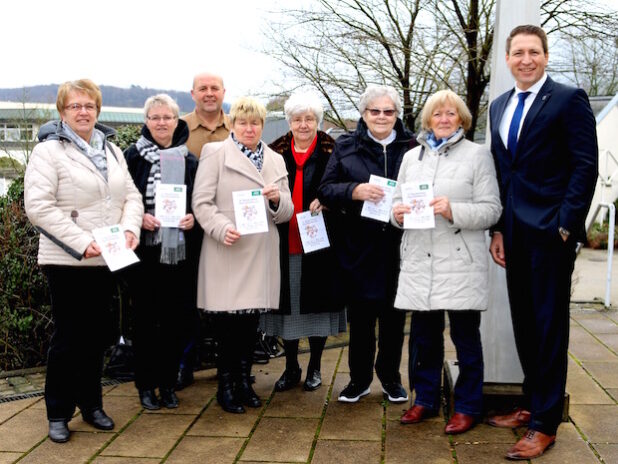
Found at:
<point>376,91</point>
<point>161,99</point>
<point>301,102</point>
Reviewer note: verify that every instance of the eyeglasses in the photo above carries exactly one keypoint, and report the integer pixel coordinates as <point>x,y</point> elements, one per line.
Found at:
<point>161,118</point>
<point>308,120</point>
<point>376,112</point>
<point>77,107</point>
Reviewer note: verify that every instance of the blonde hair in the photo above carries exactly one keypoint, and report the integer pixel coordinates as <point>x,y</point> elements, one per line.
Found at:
<point>441,98</point>
<point>247,107</point>
<point>81,85</point>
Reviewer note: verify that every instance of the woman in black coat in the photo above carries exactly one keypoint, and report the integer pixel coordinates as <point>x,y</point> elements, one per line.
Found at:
<point>309,303</point>
<point>163,284</point>
<point>368,249</point>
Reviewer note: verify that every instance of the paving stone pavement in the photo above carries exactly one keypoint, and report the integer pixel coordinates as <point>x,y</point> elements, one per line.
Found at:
<point>312,427</point>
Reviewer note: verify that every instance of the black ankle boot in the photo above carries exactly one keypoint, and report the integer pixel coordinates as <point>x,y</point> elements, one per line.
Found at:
<point>58,431</point>
<point>149,400</point>
<point>288,380</point>
<point>225,395</point>
<point>243,391</point>
<point>168,398</point>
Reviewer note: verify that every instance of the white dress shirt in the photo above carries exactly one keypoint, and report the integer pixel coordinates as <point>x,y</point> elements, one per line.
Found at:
<point>512,104</point>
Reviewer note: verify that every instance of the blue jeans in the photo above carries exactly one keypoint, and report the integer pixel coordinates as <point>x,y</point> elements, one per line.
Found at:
<point>426,359</point>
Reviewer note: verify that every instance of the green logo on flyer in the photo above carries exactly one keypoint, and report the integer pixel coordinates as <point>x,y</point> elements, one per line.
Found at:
<point>256,193</point>
<point>114,229</point>
<point>423,186</point>
<point>177,189</point>
<point>392,183</point>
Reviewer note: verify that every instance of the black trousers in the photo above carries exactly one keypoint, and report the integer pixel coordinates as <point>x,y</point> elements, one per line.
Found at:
<point>426,359</point>
<point>236,335</point>
<point>163,306</point>
<point>538,269</point>
<point>80,303</point>
<point>363,316</point>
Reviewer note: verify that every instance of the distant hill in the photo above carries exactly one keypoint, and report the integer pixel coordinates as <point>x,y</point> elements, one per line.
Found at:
<point>133,97</point>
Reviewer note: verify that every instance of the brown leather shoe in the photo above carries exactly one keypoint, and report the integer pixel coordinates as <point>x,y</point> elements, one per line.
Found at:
<point>416,414</point>
<point>459,423</point>
<point>532,445</point>
<point>518,418</point>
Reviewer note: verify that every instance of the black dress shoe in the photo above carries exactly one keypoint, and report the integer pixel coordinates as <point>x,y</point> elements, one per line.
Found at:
<point>149,400</point>
<point>225,396</point>
<point>168,398</point>
<point>185,377</point>
<point>58,431</point>
<point>313,381</point>
<point>288,380</point>
<point>98,419</point>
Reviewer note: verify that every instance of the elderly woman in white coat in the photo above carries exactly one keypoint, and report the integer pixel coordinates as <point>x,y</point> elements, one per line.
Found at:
<point>445,268</point>
<point>239,275</point>
<point>77,181</point>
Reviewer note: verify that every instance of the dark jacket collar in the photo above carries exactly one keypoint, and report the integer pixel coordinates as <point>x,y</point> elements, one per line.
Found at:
<point>180,137</point>
<point>52,130</point>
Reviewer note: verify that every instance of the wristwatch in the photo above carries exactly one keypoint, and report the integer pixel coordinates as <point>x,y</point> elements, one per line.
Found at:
<point>564,233</point>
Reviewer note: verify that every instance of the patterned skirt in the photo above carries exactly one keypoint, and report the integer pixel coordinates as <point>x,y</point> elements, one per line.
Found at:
<point>296,325</point>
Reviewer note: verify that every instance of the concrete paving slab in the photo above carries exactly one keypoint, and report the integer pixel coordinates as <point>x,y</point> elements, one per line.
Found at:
<point>582,388</point>
<point>123,389</point>
<point>8,458</point>
<point>192,399</point>
<point>613,392</point>
<point>81,447</point>
<point>608,452</point>
<point>475,453</point>
<point>356,421</point>
<point>606,373</point>
<point>121,409</point>
<point>417,443</point>
<point>570,448</point>
<point>610,341</point>
<point>9,409</point>
<point>346,452</point>
<point>215,422</point>
<point>39,404</point>
<point>281,439</point>
<point>589,276</point>
<point>151,435</point>
<point>211,450</point>
<point>598,324</point>
<point>24,430</point>
<point>297,403</point>
<point>119,460</point>
<point>591,351</point>
<point>598,422</point>
<point>485,433</point>
<point>578,334</point>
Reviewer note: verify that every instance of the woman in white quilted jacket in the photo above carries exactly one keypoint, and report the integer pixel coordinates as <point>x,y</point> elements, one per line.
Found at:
<point>445,268</point>
<point>77,181</point>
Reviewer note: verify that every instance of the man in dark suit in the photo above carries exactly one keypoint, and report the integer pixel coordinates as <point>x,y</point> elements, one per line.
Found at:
<point>543,139</point>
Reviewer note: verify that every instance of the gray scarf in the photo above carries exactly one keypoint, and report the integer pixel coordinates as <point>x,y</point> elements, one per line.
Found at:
<point>168,166</point>
<point>95,151</point>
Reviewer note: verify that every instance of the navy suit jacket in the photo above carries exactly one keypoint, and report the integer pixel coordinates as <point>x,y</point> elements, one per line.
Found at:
<point>550,181</point>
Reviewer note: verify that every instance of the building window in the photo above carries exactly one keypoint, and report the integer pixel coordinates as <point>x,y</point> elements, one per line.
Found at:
<point>17,132</point>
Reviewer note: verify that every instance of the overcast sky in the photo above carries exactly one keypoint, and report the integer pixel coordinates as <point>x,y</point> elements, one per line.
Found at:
<point>150,43</point>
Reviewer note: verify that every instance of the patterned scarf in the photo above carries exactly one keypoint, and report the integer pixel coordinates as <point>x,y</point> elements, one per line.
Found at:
<point>95,151</point>
<point>167,166</point>
<point>256,157</point>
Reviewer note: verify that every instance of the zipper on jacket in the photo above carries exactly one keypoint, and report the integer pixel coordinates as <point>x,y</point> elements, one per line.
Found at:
<point>385,162</point>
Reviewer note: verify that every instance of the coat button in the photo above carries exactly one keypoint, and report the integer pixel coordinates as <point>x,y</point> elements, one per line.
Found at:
<point>458,249</point>
<point>429,255</point>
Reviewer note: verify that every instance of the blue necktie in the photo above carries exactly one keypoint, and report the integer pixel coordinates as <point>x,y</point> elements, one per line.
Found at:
<point>515,121</point>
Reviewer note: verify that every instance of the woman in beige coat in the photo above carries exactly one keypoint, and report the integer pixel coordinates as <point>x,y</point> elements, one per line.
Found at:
<point>239,273</point>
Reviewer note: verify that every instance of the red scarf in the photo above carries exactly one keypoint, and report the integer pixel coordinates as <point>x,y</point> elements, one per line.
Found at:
<point>296,246</point>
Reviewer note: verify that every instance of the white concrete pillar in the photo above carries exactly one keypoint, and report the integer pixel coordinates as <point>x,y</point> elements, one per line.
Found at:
<point>500,355</point>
